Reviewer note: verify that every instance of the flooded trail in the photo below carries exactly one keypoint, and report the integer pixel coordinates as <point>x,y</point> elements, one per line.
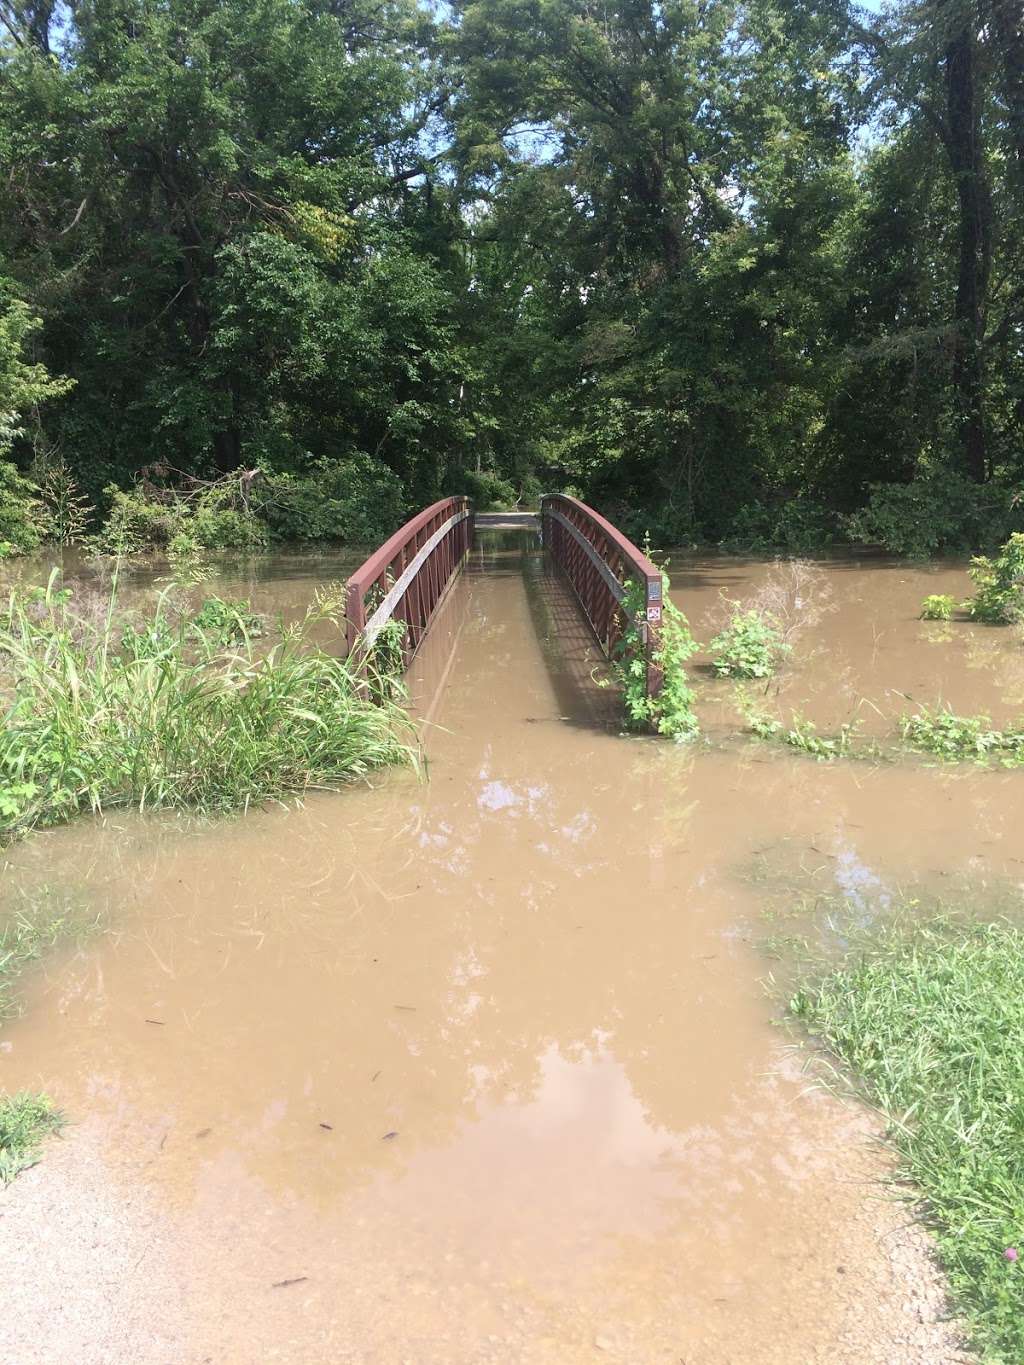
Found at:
<point>477,1068</point>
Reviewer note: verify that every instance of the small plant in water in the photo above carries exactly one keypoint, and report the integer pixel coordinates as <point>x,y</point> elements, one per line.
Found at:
<point>671,711</point>
<point>937,607</point>
<point>999,599</point>
<point>751,646</point>
<point>228,620</point>
<point>803,734</point>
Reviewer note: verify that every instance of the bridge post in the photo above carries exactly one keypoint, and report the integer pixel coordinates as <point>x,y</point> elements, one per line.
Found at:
<point>652,632</point>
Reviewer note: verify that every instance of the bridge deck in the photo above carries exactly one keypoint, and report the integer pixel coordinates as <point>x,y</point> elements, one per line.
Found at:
<point>507,521</point>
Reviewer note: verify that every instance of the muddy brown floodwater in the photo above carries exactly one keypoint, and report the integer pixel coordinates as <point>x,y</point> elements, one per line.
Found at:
<point>480,1068</point>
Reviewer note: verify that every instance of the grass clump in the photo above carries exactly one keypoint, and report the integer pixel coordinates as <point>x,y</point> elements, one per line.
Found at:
<point>930,1023</point>
<point>25,1120</point>
<point>938,606</point>
<point>163,713</point>
<point>956,738</point>
<point>751,646</point>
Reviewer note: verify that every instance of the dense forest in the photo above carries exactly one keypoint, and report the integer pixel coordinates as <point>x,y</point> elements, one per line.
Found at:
<point>748,272</point>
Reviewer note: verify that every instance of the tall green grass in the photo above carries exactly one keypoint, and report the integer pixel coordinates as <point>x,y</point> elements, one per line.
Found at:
<point>930,1022</point>
<point>157,712</point>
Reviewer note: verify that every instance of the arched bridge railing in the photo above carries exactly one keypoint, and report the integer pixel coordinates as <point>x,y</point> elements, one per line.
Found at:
<point>598,561</point>
<point>408,576</point>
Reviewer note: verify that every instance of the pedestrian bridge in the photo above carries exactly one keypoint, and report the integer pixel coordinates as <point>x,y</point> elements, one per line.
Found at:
<point>406,580</point>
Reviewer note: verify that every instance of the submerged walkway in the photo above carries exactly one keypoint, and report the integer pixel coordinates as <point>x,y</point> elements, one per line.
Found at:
<point>476,1069</point>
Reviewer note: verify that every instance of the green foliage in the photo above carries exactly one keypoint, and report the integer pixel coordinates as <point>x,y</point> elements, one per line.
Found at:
<point>20,529</point>
<point>931,1028</point>
<point>183,523</point>
<point>799,526</point>
<point>937,606</point>
<point>165,714</point>
<point>670,712</point>
<point>487,489</point>
<point>955,738</point>
<point>939,514</point>
<point>999,599</point>
<point>25,1120</point>
<point>23,383</point>
<point>355,501</point>
<point>750,647</point>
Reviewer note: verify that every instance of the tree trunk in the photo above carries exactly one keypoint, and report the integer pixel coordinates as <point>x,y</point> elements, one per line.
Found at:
<point>967,158</point>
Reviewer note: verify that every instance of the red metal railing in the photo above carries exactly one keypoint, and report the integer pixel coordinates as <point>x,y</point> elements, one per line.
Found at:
<point>598,561</point>
<point>408,576</point>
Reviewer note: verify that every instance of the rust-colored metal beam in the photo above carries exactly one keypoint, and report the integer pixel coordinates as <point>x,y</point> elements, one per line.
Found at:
<point>406,579</point>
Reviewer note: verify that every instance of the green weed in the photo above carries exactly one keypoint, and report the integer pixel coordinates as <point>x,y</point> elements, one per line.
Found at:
<point>803,735</point>
<point>955,738</point>
<point>227,621</point>
<point>25,1119</point>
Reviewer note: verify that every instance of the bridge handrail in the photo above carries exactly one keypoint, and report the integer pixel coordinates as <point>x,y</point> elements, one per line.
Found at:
<point>411,573</point>
<point>598,561</point>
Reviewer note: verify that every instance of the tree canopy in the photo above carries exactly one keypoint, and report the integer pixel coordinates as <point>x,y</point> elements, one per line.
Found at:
<point>724,267</point>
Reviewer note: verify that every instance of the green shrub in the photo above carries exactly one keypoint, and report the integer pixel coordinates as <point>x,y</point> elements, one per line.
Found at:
<point>356,501</point>
<point>670,712</point>
<point>227,528</point>
<point>936,514</point>
<point>937,607</point>
<point>999,599</point>
<point>140,520</point>
<point>20,519</point>
<point>487,489</point>
<point>750,647</point>
<point>799,526</point>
